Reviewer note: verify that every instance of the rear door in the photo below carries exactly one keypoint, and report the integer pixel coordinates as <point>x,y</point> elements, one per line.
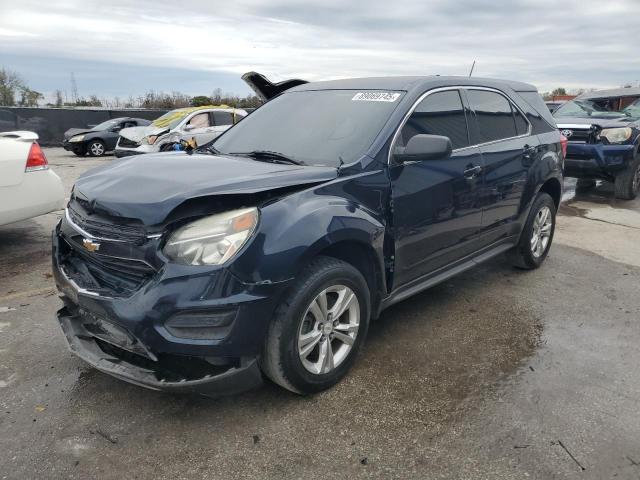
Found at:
<point>436,210</point>
<point>508,149</point>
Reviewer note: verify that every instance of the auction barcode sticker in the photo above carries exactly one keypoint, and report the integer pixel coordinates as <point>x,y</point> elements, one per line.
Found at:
<point>375,97</point>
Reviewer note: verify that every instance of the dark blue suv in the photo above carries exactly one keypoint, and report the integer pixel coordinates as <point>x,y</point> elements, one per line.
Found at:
<point>269,251</point>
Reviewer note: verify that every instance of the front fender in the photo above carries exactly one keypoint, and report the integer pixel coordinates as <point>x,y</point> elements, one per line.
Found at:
<point>295,229</point>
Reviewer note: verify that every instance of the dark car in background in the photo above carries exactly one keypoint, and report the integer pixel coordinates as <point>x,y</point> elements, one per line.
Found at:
<point>604,140</point>
<point>98,140</point>
<point>269,250</point>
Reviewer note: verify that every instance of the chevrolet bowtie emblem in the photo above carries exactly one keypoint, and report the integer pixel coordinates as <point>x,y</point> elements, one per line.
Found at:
<point>90,245</point>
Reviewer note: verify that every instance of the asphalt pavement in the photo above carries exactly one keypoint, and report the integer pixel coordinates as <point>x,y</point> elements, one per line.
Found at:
<point>495,374</point>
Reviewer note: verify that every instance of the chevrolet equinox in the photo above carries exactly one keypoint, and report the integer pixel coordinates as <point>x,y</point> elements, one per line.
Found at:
<point>267,252</point>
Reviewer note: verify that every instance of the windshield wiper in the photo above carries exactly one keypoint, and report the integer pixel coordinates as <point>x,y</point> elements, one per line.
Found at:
<point>268,155</point>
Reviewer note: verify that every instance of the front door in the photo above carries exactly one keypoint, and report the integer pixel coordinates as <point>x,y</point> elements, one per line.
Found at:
<point>436,213</point>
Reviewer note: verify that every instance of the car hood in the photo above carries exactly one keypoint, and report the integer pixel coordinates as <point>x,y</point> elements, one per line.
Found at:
<point>76,131</point>
<point>138,133</point>
<point>622,121</point>
<point>148,188</point>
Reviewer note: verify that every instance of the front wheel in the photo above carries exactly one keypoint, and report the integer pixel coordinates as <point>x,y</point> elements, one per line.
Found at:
<point>319,327</point>
<point>96,148</point>
<point>627,183</point>
<point>537,235</point>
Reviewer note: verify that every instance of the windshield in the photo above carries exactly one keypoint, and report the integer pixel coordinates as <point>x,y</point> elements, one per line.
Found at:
<point>321,127</point>
<point>172,119</point>
<point>633,110</point>
<point>586,109</point>
<point>106,125</point>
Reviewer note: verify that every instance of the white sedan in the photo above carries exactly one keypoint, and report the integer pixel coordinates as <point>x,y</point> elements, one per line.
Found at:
<point>28,187</point>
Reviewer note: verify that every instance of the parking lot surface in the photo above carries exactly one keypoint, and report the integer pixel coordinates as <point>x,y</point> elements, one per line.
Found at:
<point>497,373</point>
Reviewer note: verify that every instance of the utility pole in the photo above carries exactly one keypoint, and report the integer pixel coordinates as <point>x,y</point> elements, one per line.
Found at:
<point>74,88</point>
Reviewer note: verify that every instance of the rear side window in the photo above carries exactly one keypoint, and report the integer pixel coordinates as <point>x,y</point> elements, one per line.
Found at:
<point>222,118</point>
<point>494,115</point>
<point>440,113</point>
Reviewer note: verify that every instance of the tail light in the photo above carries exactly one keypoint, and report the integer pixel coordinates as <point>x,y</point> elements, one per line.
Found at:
<point>564,141</point>
<point>36,159</point>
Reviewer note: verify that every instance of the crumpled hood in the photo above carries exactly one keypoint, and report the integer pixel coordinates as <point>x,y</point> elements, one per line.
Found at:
<point>622,121</point>
<point>76,131</point>
<point>138,133</point>
<point>149,187</point>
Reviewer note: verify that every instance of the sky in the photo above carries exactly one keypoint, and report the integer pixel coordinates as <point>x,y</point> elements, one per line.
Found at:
<point>123,48</point>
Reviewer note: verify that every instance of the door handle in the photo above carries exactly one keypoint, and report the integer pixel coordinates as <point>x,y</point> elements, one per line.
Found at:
<point>472,172</point>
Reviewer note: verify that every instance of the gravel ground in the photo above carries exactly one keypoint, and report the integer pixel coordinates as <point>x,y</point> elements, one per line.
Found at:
<point>495,374</point>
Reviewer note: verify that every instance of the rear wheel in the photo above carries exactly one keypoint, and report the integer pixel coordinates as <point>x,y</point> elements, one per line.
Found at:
<point>627,183</point>
<point>96,148</point>
<point>319,328</point>
<point>537,235</point>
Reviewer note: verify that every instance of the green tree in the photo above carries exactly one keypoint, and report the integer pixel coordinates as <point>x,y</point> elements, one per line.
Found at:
<point>558,91</point>
<point>200,101</point>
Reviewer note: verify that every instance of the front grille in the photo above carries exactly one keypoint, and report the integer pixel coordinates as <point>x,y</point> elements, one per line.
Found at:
<point>101,229</point>
<point>126,143</point>
<point>101,273</point>
<point>582,135</point>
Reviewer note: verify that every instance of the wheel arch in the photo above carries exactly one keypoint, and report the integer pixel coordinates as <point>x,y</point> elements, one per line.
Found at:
<point>553,187</point>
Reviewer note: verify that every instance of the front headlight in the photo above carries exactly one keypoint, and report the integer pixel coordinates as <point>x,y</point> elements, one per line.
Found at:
<point>212,240</point>
<point>77,138</point>
<point>616,135</point>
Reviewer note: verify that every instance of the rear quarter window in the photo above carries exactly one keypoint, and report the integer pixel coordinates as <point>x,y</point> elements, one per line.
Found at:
<point>535,101</point>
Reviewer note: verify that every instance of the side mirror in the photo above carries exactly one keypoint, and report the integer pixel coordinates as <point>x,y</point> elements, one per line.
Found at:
<point>188,128</point>
<point>116,129</point>
<point>425,147</point>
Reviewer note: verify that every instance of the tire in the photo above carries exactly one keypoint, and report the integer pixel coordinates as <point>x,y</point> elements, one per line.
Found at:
<point>627,183</point>
<point>295,328</point>
<point>96,148</point>
<point>530,254</point>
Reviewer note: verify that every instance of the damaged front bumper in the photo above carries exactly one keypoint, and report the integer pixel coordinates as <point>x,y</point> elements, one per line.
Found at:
<point>182,329</point>
<point>596,160</point>
<point>113,361</point>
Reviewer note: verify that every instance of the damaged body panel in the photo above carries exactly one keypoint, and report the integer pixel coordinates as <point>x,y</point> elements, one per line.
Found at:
<point>175,272</point>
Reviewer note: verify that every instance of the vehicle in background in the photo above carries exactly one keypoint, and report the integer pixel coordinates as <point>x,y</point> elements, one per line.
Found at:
<point>271,248</point>
<point>554,105</point>
<point>604,140</point>
<point>198,124</point>
<point>28,187</point>
<point>98,140</point>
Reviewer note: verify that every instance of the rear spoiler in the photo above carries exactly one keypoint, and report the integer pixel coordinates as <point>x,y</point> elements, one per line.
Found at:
<point>23,135</point>
<point>266,89</point>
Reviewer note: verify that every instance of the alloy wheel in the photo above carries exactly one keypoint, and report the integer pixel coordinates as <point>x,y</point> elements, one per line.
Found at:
<point>97,149</point>
<point>328,329</point>
<point>542,225</point>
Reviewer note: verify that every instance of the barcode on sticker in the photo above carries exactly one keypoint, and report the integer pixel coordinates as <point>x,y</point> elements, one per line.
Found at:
<point>375,97</point>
